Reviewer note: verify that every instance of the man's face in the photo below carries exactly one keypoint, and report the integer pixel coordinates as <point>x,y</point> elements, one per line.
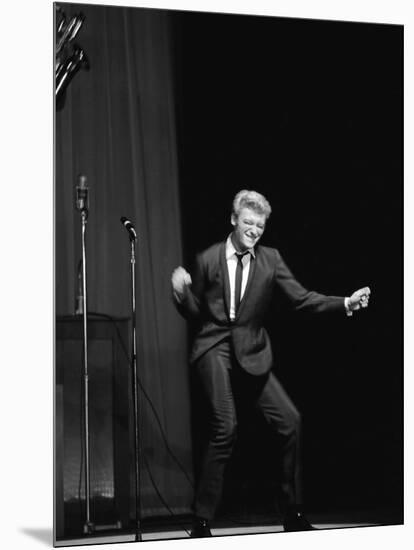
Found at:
<point>248,228</point>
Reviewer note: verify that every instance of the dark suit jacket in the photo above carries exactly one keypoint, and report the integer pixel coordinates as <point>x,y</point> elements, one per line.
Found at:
<point>208,303</point>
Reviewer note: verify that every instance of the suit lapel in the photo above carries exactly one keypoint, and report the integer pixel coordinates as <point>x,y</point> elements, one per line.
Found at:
<point>225,279</point>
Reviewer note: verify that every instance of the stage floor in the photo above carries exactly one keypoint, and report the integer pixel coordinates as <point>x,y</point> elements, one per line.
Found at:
<point>168,530</point>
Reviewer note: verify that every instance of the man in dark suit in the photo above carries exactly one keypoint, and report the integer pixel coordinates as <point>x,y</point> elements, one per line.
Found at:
<point>227,298</point>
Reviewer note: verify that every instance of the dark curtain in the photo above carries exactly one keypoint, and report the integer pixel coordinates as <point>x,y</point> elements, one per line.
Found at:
<point>310,114</point>
<point>117,127</point>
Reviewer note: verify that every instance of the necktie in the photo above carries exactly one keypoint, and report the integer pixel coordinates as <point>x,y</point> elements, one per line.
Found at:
<point>239,273</point>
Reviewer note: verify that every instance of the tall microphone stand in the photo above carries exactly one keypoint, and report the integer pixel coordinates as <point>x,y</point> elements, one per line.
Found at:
<point>82,206</point>
<point>137,454</point>
<point>88,526</point>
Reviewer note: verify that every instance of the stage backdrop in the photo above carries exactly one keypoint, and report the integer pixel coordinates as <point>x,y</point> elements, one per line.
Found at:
<point>117,128</point>
<point>310,114</point>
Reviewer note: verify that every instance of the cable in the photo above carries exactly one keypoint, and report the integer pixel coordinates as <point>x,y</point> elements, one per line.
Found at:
<point>158,422</point>
<point>156,416</point>
<point>164,437</point>
<point>164,502</point>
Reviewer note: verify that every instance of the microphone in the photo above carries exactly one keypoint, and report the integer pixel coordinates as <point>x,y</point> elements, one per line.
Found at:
<point>130,228</point>
<point>82,194</point>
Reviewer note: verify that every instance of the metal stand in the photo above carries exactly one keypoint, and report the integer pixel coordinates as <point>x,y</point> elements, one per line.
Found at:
<point>88,526</point>
<point>82,205</point>
<point>138,533</point>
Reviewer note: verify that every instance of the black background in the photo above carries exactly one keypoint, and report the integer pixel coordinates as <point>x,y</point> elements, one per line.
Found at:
<point>308,113</point>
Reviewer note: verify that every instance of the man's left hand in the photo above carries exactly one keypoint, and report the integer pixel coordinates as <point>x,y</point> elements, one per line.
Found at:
<point>359,299</point>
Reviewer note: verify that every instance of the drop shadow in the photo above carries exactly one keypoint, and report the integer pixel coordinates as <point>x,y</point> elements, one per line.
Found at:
<point>44,535</point>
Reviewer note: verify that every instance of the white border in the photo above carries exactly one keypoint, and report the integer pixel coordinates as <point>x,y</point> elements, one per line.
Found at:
<point>27,263</point>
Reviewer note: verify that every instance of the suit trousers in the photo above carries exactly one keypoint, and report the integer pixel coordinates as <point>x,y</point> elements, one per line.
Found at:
<point>223,380</point>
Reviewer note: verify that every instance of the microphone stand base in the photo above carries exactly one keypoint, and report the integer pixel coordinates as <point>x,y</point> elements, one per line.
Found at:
<point>88,528</point>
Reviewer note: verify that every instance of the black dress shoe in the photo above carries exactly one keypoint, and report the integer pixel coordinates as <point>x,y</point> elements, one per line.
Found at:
<point>297,522</point>
<point>201,528</point>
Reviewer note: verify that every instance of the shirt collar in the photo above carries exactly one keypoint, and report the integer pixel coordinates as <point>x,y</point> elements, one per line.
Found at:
<point>230,250</point>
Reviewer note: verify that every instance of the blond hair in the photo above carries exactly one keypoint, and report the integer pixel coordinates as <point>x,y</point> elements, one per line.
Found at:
<point>253,200</point>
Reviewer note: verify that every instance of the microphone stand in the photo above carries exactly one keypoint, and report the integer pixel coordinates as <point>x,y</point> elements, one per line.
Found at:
<point>88,526</point>
<point>137,454</point>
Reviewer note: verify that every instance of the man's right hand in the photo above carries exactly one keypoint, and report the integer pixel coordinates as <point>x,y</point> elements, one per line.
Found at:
<point>180,280</point>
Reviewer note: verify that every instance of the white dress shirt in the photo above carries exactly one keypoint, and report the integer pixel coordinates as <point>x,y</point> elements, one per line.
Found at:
<point>231,259</point>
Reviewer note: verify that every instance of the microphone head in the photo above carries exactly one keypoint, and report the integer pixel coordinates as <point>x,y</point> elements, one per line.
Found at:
<point>82,194</point>
<point>83,180</point>
<point>129,227</point>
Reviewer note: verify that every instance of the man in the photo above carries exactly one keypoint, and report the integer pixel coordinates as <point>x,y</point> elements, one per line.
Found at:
<point>228,298</point>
